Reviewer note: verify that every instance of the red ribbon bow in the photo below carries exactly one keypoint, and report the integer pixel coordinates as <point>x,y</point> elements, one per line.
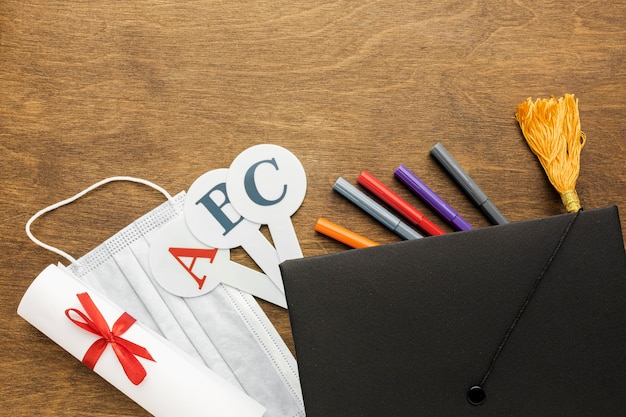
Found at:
<point>125,350</point>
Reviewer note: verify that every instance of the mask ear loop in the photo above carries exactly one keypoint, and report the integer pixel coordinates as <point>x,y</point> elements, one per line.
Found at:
<point>79,195</point>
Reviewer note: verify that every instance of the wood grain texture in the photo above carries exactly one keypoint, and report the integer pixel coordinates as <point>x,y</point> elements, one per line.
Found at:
<point>167,90</point>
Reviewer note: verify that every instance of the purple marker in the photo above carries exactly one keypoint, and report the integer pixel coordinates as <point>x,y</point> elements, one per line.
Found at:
<point>431,198</point>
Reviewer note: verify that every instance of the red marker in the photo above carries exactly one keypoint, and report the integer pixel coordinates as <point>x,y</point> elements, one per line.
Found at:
<point>412,214</point>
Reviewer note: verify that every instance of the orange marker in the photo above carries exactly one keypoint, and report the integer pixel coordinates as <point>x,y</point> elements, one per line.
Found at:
<point>343,235</point>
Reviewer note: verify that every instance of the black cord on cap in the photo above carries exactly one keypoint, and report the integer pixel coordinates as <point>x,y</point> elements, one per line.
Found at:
<point>476,394</point>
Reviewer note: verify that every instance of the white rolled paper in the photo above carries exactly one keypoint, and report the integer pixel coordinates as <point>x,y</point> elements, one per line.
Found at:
<point>175,384</point>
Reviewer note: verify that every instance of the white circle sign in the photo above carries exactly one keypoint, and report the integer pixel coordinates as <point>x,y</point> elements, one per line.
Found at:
<point>183,265</point>
<point>210,215</point>
<point>266,183</point>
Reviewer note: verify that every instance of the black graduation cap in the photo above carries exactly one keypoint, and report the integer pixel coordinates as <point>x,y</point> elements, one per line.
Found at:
<point>523,319</point>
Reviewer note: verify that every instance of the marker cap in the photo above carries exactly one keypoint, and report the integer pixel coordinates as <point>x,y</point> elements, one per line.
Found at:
<point>452,167</point>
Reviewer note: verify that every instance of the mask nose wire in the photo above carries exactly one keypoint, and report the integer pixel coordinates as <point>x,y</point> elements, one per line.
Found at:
<point>79,195</point>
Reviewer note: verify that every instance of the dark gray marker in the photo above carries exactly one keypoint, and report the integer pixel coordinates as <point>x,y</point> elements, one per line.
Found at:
<point>467,184</point>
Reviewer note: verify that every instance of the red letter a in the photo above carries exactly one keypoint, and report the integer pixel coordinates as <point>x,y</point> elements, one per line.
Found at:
<point>179,253</point>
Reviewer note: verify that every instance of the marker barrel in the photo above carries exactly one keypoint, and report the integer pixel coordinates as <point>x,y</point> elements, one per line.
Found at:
<point>431,198</point>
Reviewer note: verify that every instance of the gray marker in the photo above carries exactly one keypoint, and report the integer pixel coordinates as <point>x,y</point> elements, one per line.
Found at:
<point>467,184</point>
<point>375,210</point>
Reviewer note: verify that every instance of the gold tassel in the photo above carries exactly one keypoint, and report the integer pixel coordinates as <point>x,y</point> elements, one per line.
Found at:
<point>552,129</point>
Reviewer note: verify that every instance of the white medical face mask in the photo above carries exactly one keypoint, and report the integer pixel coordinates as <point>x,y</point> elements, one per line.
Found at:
<point>225,329</point>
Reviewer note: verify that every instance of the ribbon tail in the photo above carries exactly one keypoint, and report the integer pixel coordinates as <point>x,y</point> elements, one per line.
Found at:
<point>133,369</point>
<point>135,349</point>
<point>94,352</point>
<point>122,324</point>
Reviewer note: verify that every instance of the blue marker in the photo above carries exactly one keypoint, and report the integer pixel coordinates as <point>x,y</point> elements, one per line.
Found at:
<point>375,210</point>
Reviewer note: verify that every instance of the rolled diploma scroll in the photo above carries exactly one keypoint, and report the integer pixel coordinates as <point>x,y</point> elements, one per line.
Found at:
<point>175,384</point>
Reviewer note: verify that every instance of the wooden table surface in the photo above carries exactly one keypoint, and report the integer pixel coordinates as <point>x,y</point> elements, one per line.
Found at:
<point>167,90</point>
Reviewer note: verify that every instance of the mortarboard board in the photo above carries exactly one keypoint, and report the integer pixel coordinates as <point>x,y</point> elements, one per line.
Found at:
<point>533,311</point>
